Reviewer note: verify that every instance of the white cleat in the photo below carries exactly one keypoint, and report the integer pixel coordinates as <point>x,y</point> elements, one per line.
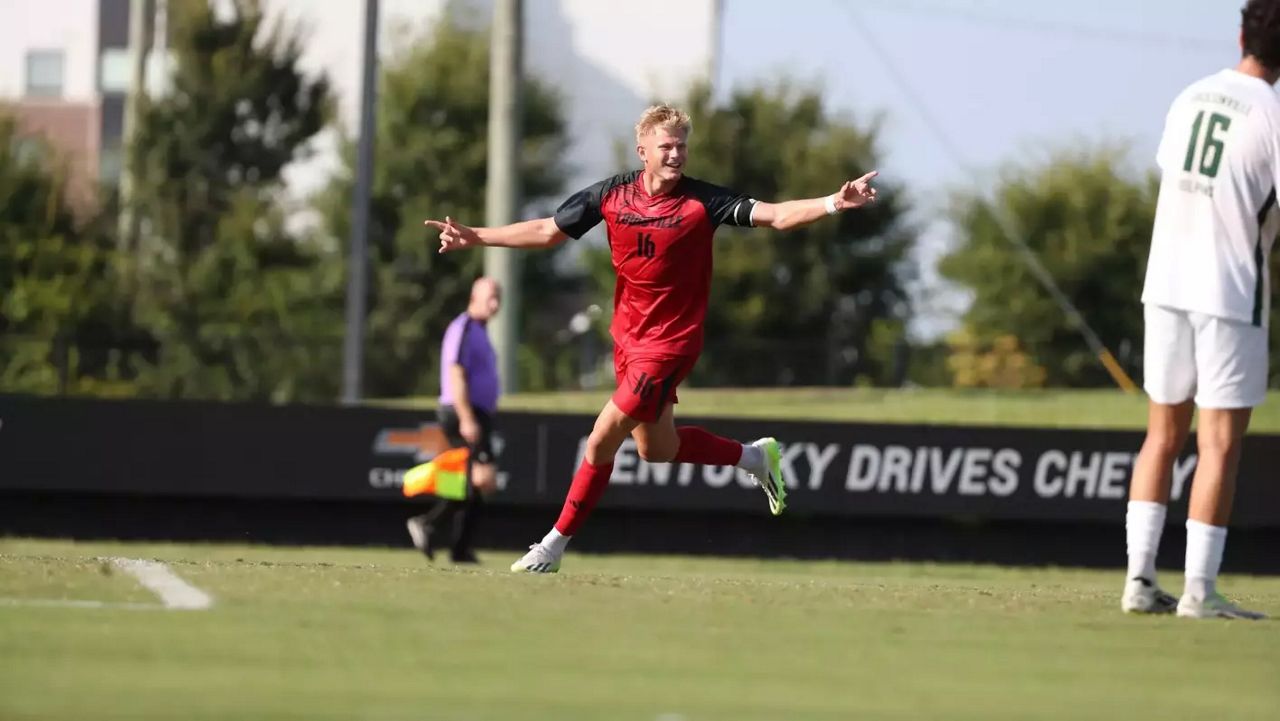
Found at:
<point>1143,596</point>
<point>1215,606</point>
<point>539,559</point>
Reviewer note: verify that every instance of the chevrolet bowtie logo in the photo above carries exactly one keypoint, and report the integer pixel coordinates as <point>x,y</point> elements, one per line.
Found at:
<point>423,443</point>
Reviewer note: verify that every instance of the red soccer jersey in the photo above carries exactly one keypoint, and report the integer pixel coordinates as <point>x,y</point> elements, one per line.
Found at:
<point>661,248</point>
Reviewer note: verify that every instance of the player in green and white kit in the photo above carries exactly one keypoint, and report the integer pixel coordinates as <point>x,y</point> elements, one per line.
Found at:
<point>1207,299</point>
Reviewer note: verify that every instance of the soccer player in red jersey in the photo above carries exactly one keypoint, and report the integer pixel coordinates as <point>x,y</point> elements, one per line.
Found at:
<point>660,224</point>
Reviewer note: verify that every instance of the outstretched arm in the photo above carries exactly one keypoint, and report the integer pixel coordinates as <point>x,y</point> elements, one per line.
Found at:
<point>540,233</point>
<point>575,216</point>
<point>799,213</point>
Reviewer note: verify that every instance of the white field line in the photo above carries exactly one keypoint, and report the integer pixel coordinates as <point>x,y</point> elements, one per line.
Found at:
<point>69,603</point>
<point>174,592</point>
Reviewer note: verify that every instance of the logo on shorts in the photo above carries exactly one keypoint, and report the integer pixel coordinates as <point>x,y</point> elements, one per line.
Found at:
<point>644,386</point>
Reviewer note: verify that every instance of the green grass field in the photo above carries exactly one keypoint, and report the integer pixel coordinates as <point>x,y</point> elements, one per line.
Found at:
<point>1046,409</point>
<point>380,635</point>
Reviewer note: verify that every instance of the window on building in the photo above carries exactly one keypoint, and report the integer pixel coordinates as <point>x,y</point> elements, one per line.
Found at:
<point>110,164</point>
<point>114,71</point>
<point>44,73</point>
<point>113,23</point>
<point>112,115</point>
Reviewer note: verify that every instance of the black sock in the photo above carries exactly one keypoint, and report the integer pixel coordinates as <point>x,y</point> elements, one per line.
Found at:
<point>437,510</point>
<point>464,523</point>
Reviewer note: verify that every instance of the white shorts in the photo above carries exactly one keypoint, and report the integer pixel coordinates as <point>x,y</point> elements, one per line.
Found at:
<point>1221,362</point>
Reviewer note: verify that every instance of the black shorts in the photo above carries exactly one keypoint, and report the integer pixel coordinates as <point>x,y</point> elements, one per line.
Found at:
<point>482,451</point>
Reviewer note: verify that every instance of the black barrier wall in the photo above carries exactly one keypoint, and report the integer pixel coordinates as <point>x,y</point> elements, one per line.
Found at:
<point>212,450</point>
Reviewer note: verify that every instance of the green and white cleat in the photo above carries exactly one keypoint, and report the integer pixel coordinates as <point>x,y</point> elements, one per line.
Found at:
<point>769,477</point>
<point>539,559</point>
<point>1215,606</point>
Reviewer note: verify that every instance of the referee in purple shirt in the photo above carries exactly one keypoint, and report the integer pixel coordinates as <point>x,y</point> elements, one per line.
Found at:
<point>469,391</point>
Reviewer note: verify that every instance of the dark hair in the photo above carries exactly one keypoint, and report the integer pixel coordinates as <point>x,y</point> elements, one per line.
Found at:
<point>1260,25</point>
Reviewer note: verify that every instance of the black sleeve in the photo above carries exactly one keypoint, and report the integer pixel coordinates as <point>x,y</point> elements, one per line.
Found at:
<point>582,211</point>
<point>724,206</point>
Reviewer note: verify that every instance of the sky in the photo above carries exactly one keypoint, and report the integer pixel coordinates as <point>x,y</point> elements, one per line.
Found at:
<point>962,87</point>
<point>1003,81</point>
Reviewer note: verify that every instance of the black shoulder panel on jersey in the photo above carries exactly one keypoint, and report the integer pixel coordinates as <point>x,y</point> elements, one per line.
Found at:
<point>724,206</point>
<point>582,211</point>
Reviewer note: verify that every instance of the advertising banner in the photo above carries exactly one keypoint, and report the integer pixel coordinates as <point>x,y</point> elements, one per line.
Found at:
<point>844,469</point>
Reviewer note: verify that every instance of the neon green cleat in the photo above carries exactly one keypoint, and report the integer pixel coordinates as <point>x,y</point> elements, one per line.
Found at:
<point>769,478</point>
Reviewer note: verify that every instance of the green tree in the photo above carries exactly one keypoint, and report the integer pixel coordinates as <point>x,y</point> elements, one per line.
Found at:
<point>1089,222</point>
<point>820,305</point>
<point>59,311</point>
<point>431,160</point>
<point>239,307</point>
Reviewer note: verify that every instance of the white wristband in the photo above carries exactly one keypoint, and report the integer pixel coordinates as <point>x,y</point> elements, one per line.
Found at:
<point>831,205</point>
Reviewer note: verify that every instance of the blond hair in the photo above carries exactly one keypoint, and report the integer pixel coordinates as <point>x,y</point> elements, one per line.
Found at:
<point>661,116</point>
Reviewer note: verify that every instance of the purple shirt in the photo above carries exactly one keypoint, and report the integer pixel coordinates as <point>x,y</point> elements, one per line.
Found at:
<point>466,343</point>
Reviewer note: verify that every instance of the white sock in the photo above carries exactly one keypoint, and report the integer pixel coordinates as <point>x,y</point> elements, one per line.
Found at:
<point>555,541</point>
<point>1143,525</point>
<point>1205,544</point>
<point>752,457</point>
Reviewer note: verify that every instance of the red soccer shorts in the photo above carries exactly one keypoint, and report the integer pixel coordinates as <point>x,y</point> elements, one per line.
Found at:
<point>647,383</point>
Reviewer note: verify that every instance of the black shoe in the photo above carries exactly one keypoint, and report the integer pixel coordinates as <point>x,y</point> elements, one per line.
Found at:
<point>463,557</point>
